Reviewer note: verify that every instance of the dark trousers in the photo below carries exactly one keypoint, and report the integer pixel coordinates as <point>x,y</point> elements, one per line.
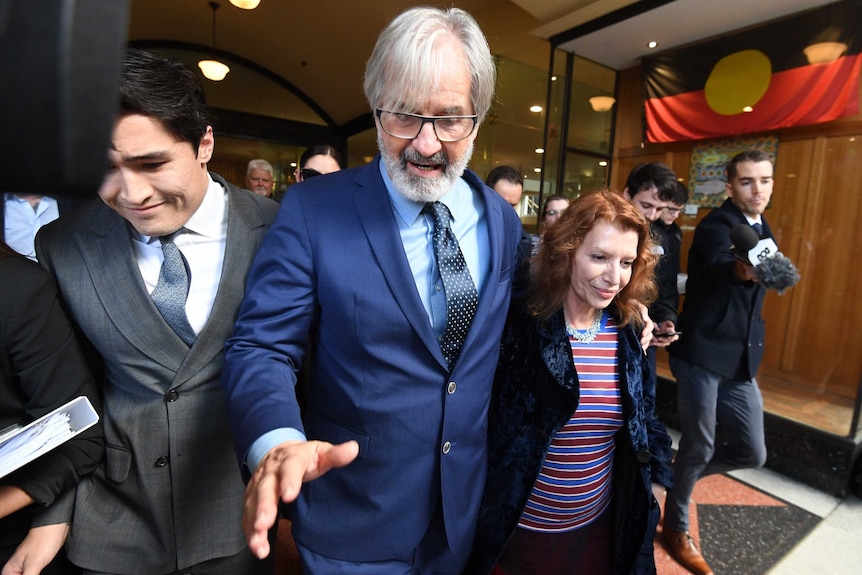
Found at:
<point>588,551</point>
<point>705,399</point>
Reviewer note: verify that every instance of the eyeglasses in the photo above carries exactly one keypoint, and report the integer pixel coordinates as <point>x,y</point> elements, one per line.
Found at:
<point>407,126</point>
<point>552,213</point>
<point>307,173</point>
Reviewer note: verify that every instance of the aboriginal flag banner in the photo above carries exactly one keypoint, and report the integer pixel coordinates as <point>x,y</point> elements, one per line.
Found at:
<point>756,80</point>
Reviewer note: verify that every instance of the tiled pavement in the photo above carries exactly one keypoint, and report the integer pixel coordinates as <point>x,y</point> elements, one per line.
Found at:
<point>758,522</point>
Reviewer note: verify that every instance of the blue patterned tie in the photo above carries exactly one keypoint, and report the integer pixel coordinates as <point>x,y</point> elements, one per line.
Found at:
<point>458,286</point>
<point>758,228</point>
<point>173,289</point>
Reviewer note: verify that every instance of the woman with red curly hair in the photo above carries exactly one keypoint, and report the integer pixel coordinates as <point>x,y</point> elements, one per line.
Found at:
<point>576,449</point>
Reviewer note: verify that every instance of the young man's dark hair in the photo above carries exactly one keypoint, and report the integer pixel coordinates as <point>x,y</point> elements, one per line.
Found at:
<point>755,156</point>
<point>680,194</point>
<point>166,90</point>
<point>644,176</point>
<point>507,173</point>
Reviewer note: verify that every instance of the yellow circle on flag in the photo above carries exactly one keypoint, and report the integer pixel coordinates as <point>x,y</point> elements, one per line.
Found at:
<point>738,80</point>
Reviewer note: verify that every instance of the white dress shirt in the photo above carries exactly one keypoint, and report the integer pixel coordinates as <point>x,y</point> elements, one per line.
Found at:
<point>202,242</point>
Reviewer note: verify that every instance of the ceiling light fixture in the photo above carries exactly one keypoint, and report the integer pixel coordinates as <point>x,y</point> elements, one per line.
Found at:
<point>652,44</point>
<point>535,109</point>
<point>213,69</point>
<point>245,4</point>
<point>540,150</point>
<point>824,52</point>
<point>602,103</point>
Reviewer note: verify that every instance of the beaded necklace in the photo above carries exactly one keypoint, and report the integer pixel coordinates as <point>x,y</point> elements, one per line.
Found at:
<point>590,334</point>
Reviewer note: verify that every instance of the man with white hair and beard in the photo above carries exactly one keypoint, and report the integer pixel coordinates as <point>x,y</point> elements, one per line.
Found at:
<point>393,281</point>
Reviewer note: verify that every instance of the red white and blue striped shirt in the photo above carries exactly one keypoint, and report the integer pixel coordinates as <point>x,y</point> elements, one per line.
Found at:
<point>574,485</point>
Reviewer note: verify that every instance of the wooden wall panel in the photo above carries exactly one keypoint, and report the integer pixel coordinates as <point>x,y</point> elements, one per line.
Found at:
<point>231,171</point>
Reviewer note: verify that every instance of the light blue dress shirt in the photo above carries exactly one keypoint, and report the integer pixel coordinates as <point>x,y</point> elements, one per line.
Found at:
<point>21,222</point>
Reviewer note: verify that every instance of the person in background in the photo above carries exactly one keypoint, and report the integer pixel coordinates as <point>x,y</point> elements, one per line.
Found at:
<point>672,211</point>
<point>41,368</point>
<point>506,181</point>
<point>716,361</point>
<point>576,449</point>
<point>318,160</point>
<point>23,214</point>
<point>668,235</point>
<point>259,177</point>
<point>397,276</point>
<point>554,207</point>
<point>153,274</point>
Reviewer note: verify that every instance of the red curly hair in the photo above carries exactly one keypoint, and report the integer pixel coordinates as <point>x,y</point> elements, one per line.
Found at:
<point>551,267</point>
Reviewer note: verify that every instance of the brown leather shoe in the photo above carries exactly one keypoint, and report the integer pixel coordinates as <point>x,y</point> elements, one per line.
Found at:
<point>681,547</point>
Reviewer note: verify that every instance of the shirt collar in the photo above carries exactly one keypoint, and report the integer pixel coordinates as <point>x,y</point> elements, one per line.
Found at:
<point>752,221</point>
<point>208,218</point>
<point>13,197</point>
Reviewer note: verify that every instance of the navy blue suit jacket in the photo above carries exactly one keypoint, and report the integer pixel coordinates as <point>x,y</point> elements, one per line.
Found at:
<point>332,278</point>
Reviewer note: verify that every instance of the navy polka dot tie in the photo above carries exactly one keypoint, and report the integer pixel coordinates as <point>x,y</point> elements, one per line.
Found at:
<point>172,290</point>
<point>458,286</point>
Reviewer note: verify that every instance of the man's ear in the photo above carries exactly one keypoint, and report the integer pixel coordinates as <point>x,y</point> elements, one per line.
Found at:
<point>207,146</point>
<point>626,194</point>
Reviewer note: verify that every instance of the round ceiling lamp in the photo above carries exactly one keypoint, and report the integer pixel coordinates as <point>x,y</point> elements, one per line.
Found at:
<point>602,103</point>
<point>212,69</point>
<point>245,4</point>
<point>824,52</point>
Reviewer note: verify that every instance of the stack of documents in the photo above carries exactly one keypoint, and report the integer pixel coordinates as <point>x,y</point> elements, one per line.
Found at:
<point>21,445</point>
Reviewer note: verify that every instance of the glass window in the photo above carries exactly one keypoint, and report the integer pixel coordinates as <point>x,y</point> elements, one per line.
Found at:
<point>584,174</point>
<point>590,123</point>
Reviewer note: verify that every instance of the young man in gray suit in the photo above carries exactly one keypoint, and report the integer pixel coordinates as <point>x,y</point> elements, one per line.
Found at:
<point>153,275</point>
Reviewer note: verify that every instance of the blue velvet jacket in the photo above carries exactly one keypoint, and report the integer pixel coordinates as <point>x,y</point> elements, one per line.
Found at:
<point>535,393</point>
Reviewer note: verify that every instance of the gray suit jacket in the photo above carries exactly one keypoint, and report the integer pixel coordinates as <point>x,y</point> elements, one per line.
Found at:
<point>169,493</point>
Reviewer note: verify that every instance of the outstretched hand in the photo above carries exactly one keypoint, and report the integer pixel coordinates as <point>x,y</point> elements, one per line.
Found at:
<point>279,476</point>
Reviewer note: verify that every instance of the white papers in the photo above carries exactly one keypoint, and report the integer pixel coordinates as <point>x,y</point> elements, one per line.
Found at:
<point>23,445</point>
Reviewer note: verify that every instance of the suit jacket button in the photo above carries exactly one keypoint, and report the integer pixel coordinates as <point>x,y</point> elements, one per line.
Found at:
<point>644,456</point>
<point>161,461</point>
<point>172,395</point>
<point>446,447</point>
<point>451,389</point>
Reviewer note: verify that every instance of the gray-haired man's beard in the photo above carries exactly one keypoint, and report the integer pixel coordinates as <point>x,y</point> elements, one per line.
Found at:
<point>415,187</point>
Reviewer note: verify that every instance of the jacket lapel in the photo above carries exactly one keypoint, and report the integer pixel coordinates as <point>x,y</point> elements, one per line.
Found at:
<point>557,353</point>
<point>496,241</point>
<point>245,230</point>
<point>375,214</point>
<point>110,259</point>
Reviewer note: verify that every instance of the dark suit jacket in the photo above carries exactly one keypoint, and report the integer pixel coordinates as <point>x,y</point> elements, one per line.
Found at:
<point>333,268</point>
<point>536,391</point>
<point>169,494</point>
<point>721,321</point>
<point>665,306</point>
<point>41,368</point>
